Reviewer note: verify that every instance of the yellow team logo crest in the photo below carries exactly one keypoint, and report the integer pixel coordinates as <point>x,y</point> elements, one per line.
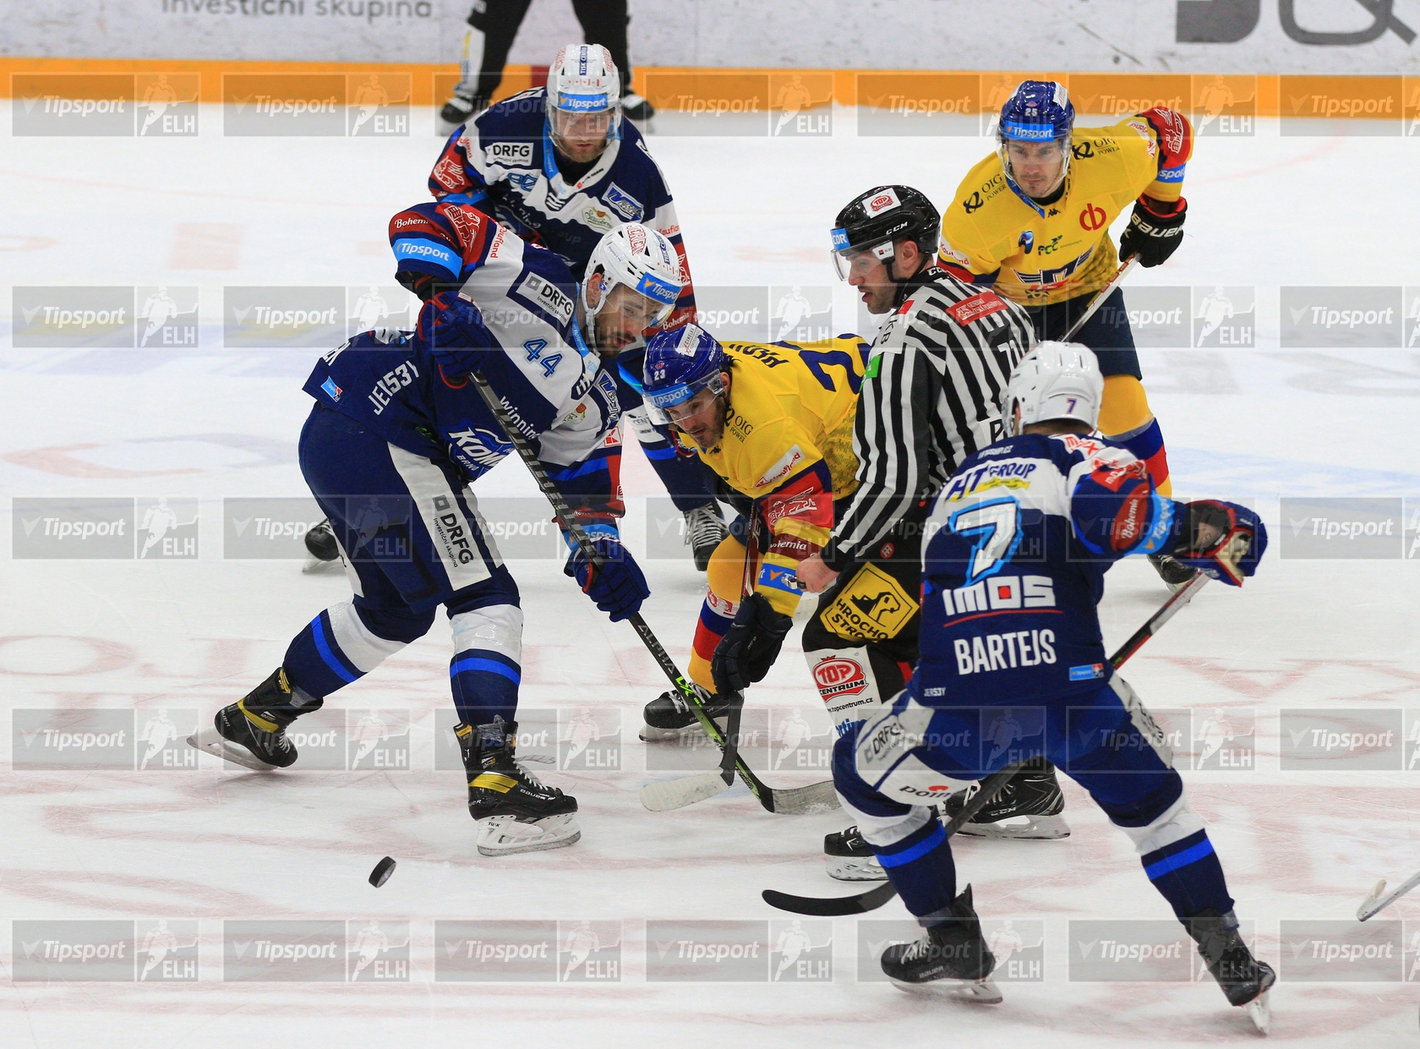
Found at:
<point>871,607</point>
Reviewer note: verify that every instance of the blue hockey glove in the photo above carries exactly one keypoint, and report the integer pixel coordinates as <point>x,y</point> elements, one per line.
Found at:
<point>1224,540</point>
<point>750,647</point>
<point>615,582</point>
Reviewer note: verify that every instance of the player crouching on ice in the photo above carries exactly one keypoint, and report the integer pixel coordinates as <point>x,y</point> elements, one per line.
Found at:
<point>1013,570</point>
<point>397,433</point>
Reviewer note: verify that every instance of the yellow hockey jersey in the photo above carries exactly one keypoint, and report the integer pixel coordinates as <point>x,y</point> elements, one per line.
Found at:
<point>788,444</point>
<point>1041,254</point>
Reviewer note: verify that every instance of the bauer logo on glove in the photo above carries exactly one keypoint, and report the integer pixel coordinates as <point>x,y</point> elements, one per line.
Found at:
<point>1224,540</point>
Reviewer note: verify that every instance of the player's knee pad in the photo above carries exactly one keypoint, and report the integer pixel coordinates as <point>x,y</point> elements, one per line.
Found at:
<point>893,754</point>
<point>495,628</point>
<point>849,679</point>
<point>1171,822</point>
<point>725,576</point>
<point>883,821</point>
<point>1124,408</point>
<point>368,635</point>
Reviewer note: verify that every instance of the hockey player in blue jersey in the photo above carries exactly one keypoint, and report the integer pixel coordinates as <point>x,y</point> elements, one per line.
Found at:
<point>560,166</point>
<point>1019,541</point>
<point>397,434</point>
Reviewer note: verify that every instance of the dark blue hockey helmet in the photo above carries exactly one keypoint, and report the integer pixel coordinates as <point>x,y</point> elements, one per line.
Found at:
<point>1039,111</point>
<point>679,365</point>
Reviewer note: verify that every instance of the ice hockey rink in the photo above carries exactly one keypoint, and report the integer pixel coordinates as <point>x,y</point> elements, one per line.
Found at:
<point>1293,702</point>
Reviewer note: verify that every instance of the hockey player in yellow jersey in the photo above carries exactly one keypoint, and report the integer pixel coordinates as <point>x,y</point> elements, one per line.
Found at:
<point>775,423</point>
<point>1033,220</point>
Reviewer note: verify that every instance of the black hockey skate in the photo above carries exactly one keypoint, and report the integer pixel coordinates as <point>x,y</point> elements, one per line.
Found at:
<point>1171,570</point>
<point>252,731</point>
<point>514,811</point>
<point>952,957</point>
<point>669,717</point>
<point>704,529</point>
<point>1243,978</point>
<point>1028,807</point>
<point>461,109</point>
<point>321,546</point>
<point>849,858</point>
<point>634,107</point>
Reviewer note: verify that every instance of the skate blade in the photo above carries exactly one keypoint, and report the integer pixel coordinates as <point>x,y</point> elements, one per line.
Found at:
<point>1259,1011</point>
<point>651,734</point>
<point>1020,828</point>
<point>505,835</point>
<point>982,992</point>
<point>212,742</point>
<point>845,868</point>
<point>315,564</point>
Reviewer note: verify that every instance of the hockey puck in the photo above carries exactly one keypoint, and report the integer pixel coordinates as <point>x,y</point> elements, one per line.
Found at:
<point>382,872</point>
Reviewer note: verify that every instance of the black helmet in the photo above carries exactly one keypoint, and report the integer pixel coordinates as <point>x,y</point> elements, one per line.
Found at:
<point>876,220</point>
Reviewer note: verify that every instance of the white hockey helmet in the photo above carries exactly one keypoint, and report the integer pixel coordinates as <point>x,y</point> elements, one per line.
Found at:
<point>583,80</point>
<point>639,258</point>
<point>1056,380</point>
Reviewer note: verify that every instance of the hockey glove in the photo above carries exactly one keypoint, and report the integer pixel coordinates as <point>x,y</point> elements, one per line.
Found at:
<point>750,647</point>
<point>1154,231</point>
<point>1224,540</point>
<point>614,581</point>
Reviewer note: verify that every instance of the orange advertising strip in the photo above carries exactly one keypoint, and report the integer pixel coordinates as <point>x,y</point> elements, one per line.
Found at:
<point>1224,98</point>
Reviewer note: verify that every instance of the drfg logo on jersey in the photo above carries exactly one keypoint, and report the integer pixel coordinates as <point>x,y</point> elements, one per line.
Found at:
<point>73,951</point>
<point>1343,951</point>
<point>275,951</point>
<point>1224,316</point>
<point>935,104</point>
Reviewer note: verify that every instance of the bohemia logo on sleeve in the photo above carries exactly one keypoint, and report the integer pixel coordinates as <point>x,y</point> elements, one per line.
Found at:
<point>980,305</point>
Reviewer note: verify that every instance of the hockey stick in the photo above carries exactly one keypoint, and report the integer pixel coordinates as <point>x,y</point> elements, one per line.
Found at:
<point>737,699</point>
<point>1375,903</point>
<point>828,907</point>
<point>1098,301</point>
<point>817,797</point>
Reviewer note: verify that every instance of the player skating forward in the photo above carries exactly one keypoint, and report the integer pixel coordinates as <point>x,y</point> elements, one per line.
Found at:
<point>930,399</point>
<point>775,424</point>
<point>397,416</point>
<point>1012,574</point>
<point>1032,220</point>
<point>560,166</point>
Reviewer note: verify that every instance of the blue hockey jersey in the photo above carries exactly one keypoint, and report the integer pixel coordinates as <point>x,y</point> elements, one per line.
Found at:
<point>1013,568</point>
<point>514,322</point>
<point>504,162</point>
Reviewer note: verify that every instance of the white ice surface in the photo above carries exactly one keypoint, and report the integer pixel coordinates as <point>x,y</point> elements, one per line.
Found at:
<point>201,846</point>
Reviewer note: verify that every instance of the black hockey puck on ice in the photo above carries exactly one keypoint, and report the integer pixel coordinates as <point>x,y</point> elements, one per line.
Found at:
<point>382,872</point>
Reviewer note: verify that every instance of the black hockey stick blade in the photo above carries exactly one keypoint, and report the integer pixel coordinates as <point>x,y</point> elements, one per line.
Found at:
<point>830,907</point>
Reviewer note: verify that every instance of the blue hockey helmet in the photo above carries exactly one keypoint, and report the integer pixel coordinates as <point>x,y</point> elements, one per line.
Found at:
<point>1037,111</point>
<point>679,365</point>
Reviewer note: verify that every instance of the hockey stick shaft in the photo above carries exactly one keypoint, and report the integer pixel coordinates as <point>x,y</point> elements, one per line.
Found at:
<point>737,699</point>
<point>584,543</point>
<point>1098,301</point>
<point>990,787</point>
<point>1377,903</point>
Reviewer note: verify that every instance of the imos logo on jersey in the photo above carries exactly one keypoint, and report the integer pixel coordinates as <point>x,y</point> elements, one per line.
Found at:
<point>73,951</point>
